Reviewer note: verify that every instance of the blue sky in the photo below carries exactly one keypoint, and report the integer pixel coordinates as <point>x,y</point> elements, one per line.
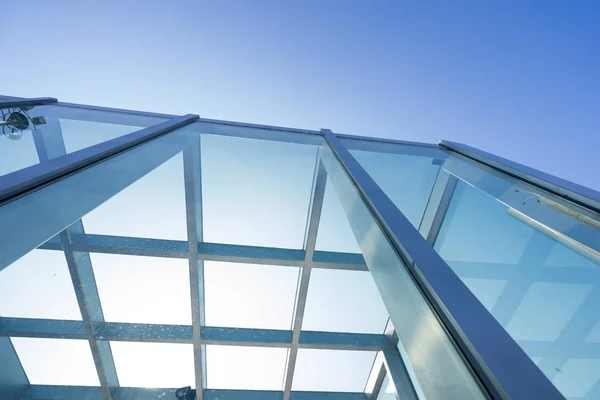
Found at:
<point>518,78</point>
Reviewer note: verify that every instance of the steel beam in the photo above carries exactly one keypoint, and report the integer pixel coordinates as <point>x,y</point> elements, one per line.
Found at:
<point>312,227</point>
<point>437,206</point>
<point>193,206</point>
<point>162,333</point>
<point>19,182</point>
<point>82,276</point>
<point>93,393</point>
<point>506,371</point>
<point>50,145</point>
<point>584,196</point>
<point>211,252</point>
<point>41,214</point>
<point>35,101</point>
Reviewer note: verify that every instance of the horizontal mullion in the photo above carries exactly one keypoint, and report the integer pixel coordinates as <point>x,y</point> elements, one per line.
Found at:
<point>127,393</point>
<point>341,341</point>
<point>209,252</point>
<point>163,333</point>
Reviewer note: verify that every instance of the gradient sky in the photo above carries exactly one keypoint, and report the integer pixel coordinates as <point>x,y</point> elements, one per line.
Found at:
<point>517,78</point>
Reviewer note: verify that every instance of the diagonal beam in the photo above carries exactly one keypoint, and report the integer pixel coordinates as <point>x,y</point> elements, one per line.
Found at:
<point>466,326</point>
<point>40,214</point>
<point>312,227</point>
<point>193,206</point>
<point>50,145</point>
<point>82,276</point>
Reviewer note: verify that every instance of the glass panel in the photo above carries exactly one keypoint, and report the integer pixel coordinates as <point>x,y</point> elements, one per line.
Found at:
<point>154,365</point>
<point>335,233</point>
<point>387,391</point>
<point>533,262</point>
<point>432,355</point>
<point>38,285</point>
<point>256,192</point>
<point>57,361</point>
<point>406,173</point>
<point>332,370</point>
<point>248,368</point>
<point>249,296</point>
<point>143,289</point>
<point>152,207</point>
<point>34,134</point>
<point>343,301</point>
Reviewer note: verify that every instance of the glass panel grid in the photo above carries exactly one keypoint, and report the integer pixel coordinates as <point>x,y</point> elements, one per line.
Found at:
<point>242,177</point>
<point>145,297</point>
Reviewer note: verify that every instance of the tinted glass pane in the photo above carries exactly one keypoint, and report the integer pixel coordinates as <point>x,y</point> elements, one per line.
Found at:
<point>335,233</point>
<point>436,362</point>
<point>533,262</point>
<point>343,301</point>
<point>38,285</point>
<point>30,135</point>
<point>152,207</point>
<point>249,296</point>
<point>143,289</point>
<point>57,361</point>
<point>248,368</point>
<point>405,173</point>
<point>332,370</point>
<point>154,365</point>
<point>256,192</point>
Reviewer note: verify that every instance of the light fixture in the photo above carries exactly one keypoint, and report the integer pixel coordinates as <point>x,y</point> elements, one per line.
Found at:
<point>15,120</point>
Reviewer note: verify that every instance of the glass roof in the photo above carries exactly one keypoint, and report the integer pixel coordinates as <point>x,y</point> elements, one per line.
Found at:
<point>248,262</point>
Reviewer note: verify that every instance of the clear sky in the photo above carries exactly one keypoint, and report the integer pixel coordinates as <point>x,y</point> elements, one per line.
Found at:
<point>517,78</point>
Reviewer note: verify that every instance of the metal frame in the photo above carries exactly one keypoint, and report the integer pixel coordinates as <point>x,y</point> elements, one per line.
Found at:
<point>496,359</point>
<point>27,102</point>
<point>501,366</point>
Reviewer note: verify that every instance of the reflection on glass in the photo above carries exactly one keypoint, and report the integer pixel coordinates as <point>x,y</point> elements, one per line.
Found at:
<point>534,265</point>
<point>332,370</point>
<point>56,361</point>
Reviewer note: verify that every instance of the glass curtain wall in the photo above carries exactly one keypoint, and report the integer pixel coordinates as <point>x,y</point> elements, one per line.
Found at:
<point>248,262</point>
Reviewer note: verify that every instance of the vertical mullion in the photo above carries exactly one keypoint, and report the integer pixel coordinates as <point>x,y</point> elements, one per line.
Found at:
<point>312,226</point>
<point>437,206</point>
<point>193,200</point>
<point>49,144</point>
<point>82,276</point>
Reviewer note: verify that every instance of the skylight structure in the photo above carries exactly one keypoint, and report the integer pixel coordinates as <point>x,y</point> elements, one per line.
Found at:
<point>142,253</point>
